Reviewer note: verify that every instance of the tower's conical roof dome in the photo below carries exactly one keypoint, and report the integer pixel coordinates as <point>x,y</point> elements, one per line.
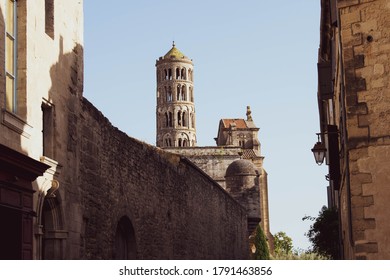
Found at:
<point>174,53</point>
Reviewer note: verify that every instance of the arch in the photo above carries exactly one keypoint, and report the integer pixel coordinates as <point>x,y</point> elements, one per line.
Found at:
<point>169,94</point>
<point>177,73</point>
<point>184,119</point>
<point>166,74</point>
<point>53,233</point>
<point>158,75</point>
<point>167,140</point>
<point>184,73</point>
<point>178,91</point>
<point>183,93</point>
<point>125,246</point>
<point>169,74</point>
<point>170,119</point>
<point>179,119</point>
<point>193,120</point>
<point>191,94</point>
<point>166,119</point>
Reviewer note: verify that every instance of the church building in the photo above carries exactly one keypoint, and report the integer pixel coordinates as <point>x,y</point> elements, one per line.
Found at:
<point>235,163</point>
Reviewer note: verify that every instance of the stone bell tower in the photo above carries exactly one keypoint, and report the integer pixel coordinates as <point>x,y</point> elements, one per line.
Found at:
<point>175,111</point>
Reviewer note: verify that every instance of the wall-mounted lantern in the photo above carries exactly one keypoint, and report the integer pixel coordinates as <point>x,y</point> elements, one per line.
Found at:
<point>319,151</point>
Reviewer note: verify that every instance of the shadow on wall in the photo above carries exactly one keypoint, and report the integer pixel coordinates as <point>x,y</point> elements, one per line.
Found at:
<point>59,127</point>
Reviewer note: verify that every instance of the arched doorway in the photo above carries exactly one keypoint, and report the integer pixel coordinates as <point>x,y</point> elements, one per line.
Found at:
<point>54,234</point>
<point>125,244</point>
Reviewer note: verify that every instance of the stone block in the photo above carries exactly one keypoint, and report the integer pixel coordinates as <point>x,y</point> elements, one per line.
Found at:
<point>364,27</point>
<point>349,17</point>
<point>369,247</point>
<point>346,3</point>
<point>362,201</point>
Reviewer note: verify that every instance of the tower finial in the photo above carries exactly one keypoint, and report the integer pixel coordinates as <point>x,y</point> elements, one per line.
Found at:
<point>248,113</point>
<point>173,44</point>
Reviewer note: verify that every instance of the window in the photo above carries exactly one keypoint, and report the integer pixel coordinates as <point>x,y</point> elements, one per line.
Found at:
<point>190,73</point>
<point>191,95</point>
<point>179,118</point>
<point>183,74</point>
<point>183,93</point>
<point>49,18</point>
<point>178,93</point>
<point>169,94</point>
<point>170,117</point>
<point>47,130</point>
<point>184,119</point>
<point>11,56</point>
<point>177,73</point>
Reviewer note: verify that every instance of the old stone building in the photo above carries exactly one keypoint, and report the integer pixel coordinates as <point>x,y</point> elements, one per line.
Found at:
<point>235,163</point>
<point>354,109</point>
<point>72,186</point>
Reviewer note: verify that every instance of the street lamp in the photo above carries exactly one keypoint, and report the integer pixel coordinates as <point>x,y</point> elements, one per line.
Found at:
<point>319,151</point>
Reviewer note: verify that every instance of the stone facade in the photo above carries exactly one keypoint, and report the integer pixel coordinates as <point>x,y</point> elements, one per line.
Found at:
<point>103,194</point>
<point>237,140</point>
<point>354,99</point>
<point>175,100</point>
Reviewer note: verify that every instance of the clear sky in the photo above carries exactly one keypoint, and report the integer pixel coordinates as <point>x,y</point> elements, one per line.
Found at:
<point>250,52</point>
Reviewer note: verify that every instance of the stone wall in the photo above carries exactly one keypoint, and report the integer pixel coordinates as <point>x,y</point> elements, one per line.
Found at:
<point>176,210</point>
<point>365,144</point>
<point>98,174</point>
<point>212,160</point>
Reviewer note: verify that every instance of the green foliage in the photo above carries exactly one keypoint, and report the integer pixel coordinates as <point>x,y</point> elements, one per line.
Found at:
<point>324,233</point>
<point>282,243</point>
<point>261,245</point>
<point>299,256</point>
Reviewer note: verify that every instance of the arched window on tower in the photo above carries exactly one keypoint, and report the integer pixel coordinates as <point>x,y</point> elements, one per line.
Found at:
<point>184,119</point>
<point>177,73</point>
<point>166,119</point>
<point>179,121</point>
<point>168,142</point>
<point>185,143</point>
<point>169,95</point>
<point>183,93</point>
<point>166,74</point>
<point>180,142</point>
<point>169,74</point>
<point>170,118</point>
<point>191,94</point>
<point>183,74</point>
<point>178,91</point>
<point>193,120</point>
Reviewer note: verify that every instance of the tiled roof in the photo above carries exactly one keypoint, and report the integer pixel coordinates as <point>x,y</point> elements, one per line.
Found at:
<point>239,123</point>
<point>248,154</point>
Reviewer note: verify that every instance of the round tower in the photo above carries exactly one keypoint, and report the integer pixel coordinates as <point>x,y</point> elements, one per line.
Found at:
<point>175,111</point>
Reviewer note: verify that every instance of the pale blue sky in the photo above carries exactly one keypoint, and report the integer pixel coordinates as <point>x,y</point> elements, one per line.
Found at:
<point>250,52</point>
